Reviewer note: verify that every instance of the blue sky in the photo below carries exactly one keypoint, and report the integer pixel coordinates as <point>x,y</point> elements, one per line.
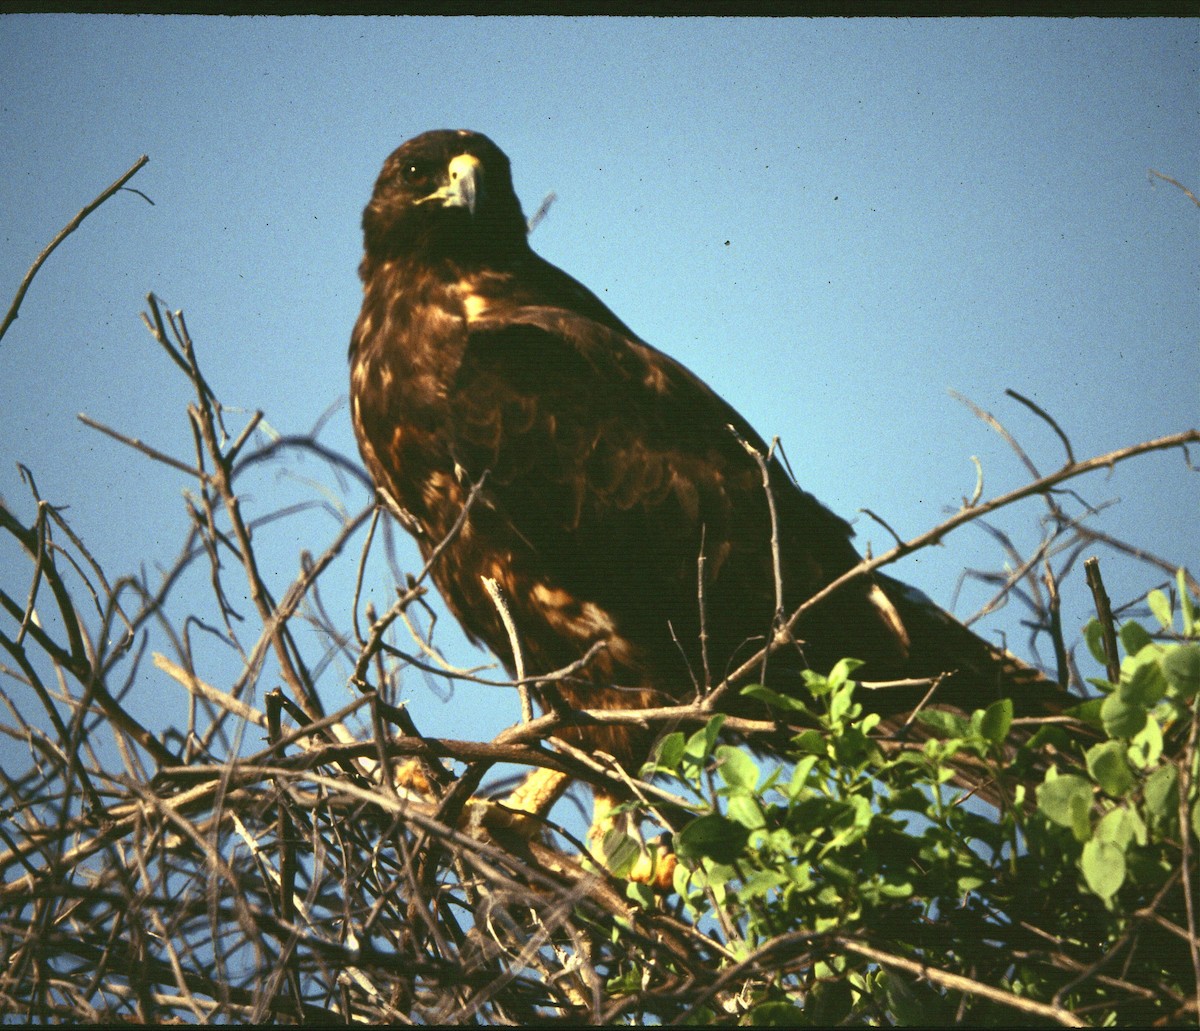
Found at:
<point>834,222</point>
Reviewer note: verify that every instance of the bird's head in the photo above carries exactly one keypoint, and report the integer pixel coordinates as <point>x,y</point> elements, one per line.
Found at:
<point>445,195</point>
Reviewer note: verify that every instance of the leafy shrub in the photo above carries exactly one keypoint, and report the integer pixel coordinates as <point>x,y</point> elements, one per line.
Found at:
<point>853,882</point>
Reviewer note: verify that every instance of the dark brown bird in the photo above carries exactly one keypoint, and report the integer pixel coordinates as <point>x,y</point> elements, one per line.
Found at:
<point>607,470</point>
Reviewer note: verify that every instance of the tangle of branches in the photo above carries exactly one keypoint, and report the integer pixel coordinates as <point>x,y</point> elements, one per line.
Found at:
<point>243,854</point>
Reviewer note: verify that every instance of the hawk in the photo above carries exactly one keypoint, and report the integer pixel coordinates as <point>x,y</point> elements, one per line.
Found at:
<point>616,495</point>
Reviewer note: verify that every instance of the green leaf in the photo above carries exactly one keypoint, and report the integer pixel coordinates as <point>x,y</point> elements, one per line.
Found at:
<point>829,1003</point>
<point>745,810</point>
<point>1087,712</point>
<point>910,798</point>
<point>1161,794</point>
<point>1120,826</point>
<point>852,747</point>
<point>713,837</point>
<point>736,768</point>
<point>1160,605</point>
<point>1110,769</point>
<point>914,1004</point>
<point>816,684</point>
<point>1185,603</point>
<point>1134,637</point>
<point>670,750</point>
<point>996,721</point>
<point>1145,748</point>
<point>620,851</point>
<point>1121,718</point>
<point>1196,818</point>
<point>1067,801</point>
<point>762,881</point>
<point>1093,634</point>
<point>700,744</point>
<point>625,983</point>
<point>841,672</point>
<point>774,699</point>
<point>810,742</point>
<point>897,889</point>
<point>852,823</point>
<point>950,724</point>
<point>1182,667</point>
<point>799,782</point>
<point>968,883</point>
<point>1142,680</point>
<point>841,703</point>
<point>1103,868</point>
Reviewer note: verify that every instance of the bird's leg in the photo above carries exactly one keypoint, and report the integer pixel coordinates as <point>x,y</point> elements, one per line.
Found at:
<point>526,808</point>
<point>523,812</point>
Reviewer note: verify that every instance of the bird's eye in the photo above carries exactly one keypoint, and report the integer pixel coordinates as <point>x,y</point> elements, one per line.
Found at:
<point>417,173</point>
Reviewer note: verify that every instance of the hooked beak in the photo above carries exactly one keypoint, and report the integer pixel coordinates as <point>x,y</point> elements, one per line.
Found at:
<point>466,183</point>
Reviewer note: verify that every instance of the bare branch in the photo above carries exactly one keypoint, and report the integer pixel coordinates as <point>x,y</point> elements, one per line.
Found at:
<point>1041,412</point>
<point>66,231</point>
<point>497,596</point>
<point>1104,613</point>
<point>958,983</point>
<point>144,448</point>
<point>1175,182</point>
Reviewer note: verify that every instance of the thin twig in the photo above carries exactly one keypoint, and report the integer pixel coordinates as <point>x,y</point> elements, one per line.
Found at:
<point>543,210</point>
<point>776,560</point>
<point>144,448</point>
<point>1175,182</point>
<point>958,983</point>
<point>1112,660</point>
<point>198,687</point>
<point>66,231</point>
<point>498,599</point>
<point>995,424</point>
<point>1045,416</point>
<point>1054,617</point>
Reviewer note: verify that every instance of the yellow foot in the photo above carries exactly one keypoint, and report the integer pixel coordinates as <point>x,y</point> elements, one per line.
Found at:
<point>525,810</point>
<point>612,838</point>
<point>655,868</point>
<point>612,835</point>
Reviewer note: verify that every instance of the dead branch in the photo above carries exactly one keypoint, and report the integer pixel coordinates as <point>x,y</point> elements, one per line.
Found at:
<point>63,233</point>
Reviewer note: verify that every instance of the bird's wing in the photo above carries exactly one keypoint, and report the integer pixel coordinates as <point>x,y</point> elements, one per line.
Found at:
<point>617,466</point>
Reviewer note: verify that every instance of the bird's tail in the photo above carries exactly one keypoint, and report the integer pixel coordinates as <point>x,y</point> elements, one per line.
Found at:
<point>962,669</point>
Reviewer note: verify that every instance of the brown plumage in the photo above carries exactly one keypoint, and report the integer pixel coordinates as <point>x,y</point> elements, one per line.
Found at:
<point>608,468</point>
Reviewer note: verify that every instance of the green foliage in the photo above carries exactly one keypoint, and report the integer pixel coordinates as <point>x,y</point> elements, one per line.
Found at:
<point>1125,814</point>
<point>856,879</point>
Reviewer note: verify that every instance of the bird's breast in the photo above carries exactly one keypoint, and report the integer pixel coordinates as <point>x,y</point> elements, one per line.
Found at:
<point>404,354</point>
